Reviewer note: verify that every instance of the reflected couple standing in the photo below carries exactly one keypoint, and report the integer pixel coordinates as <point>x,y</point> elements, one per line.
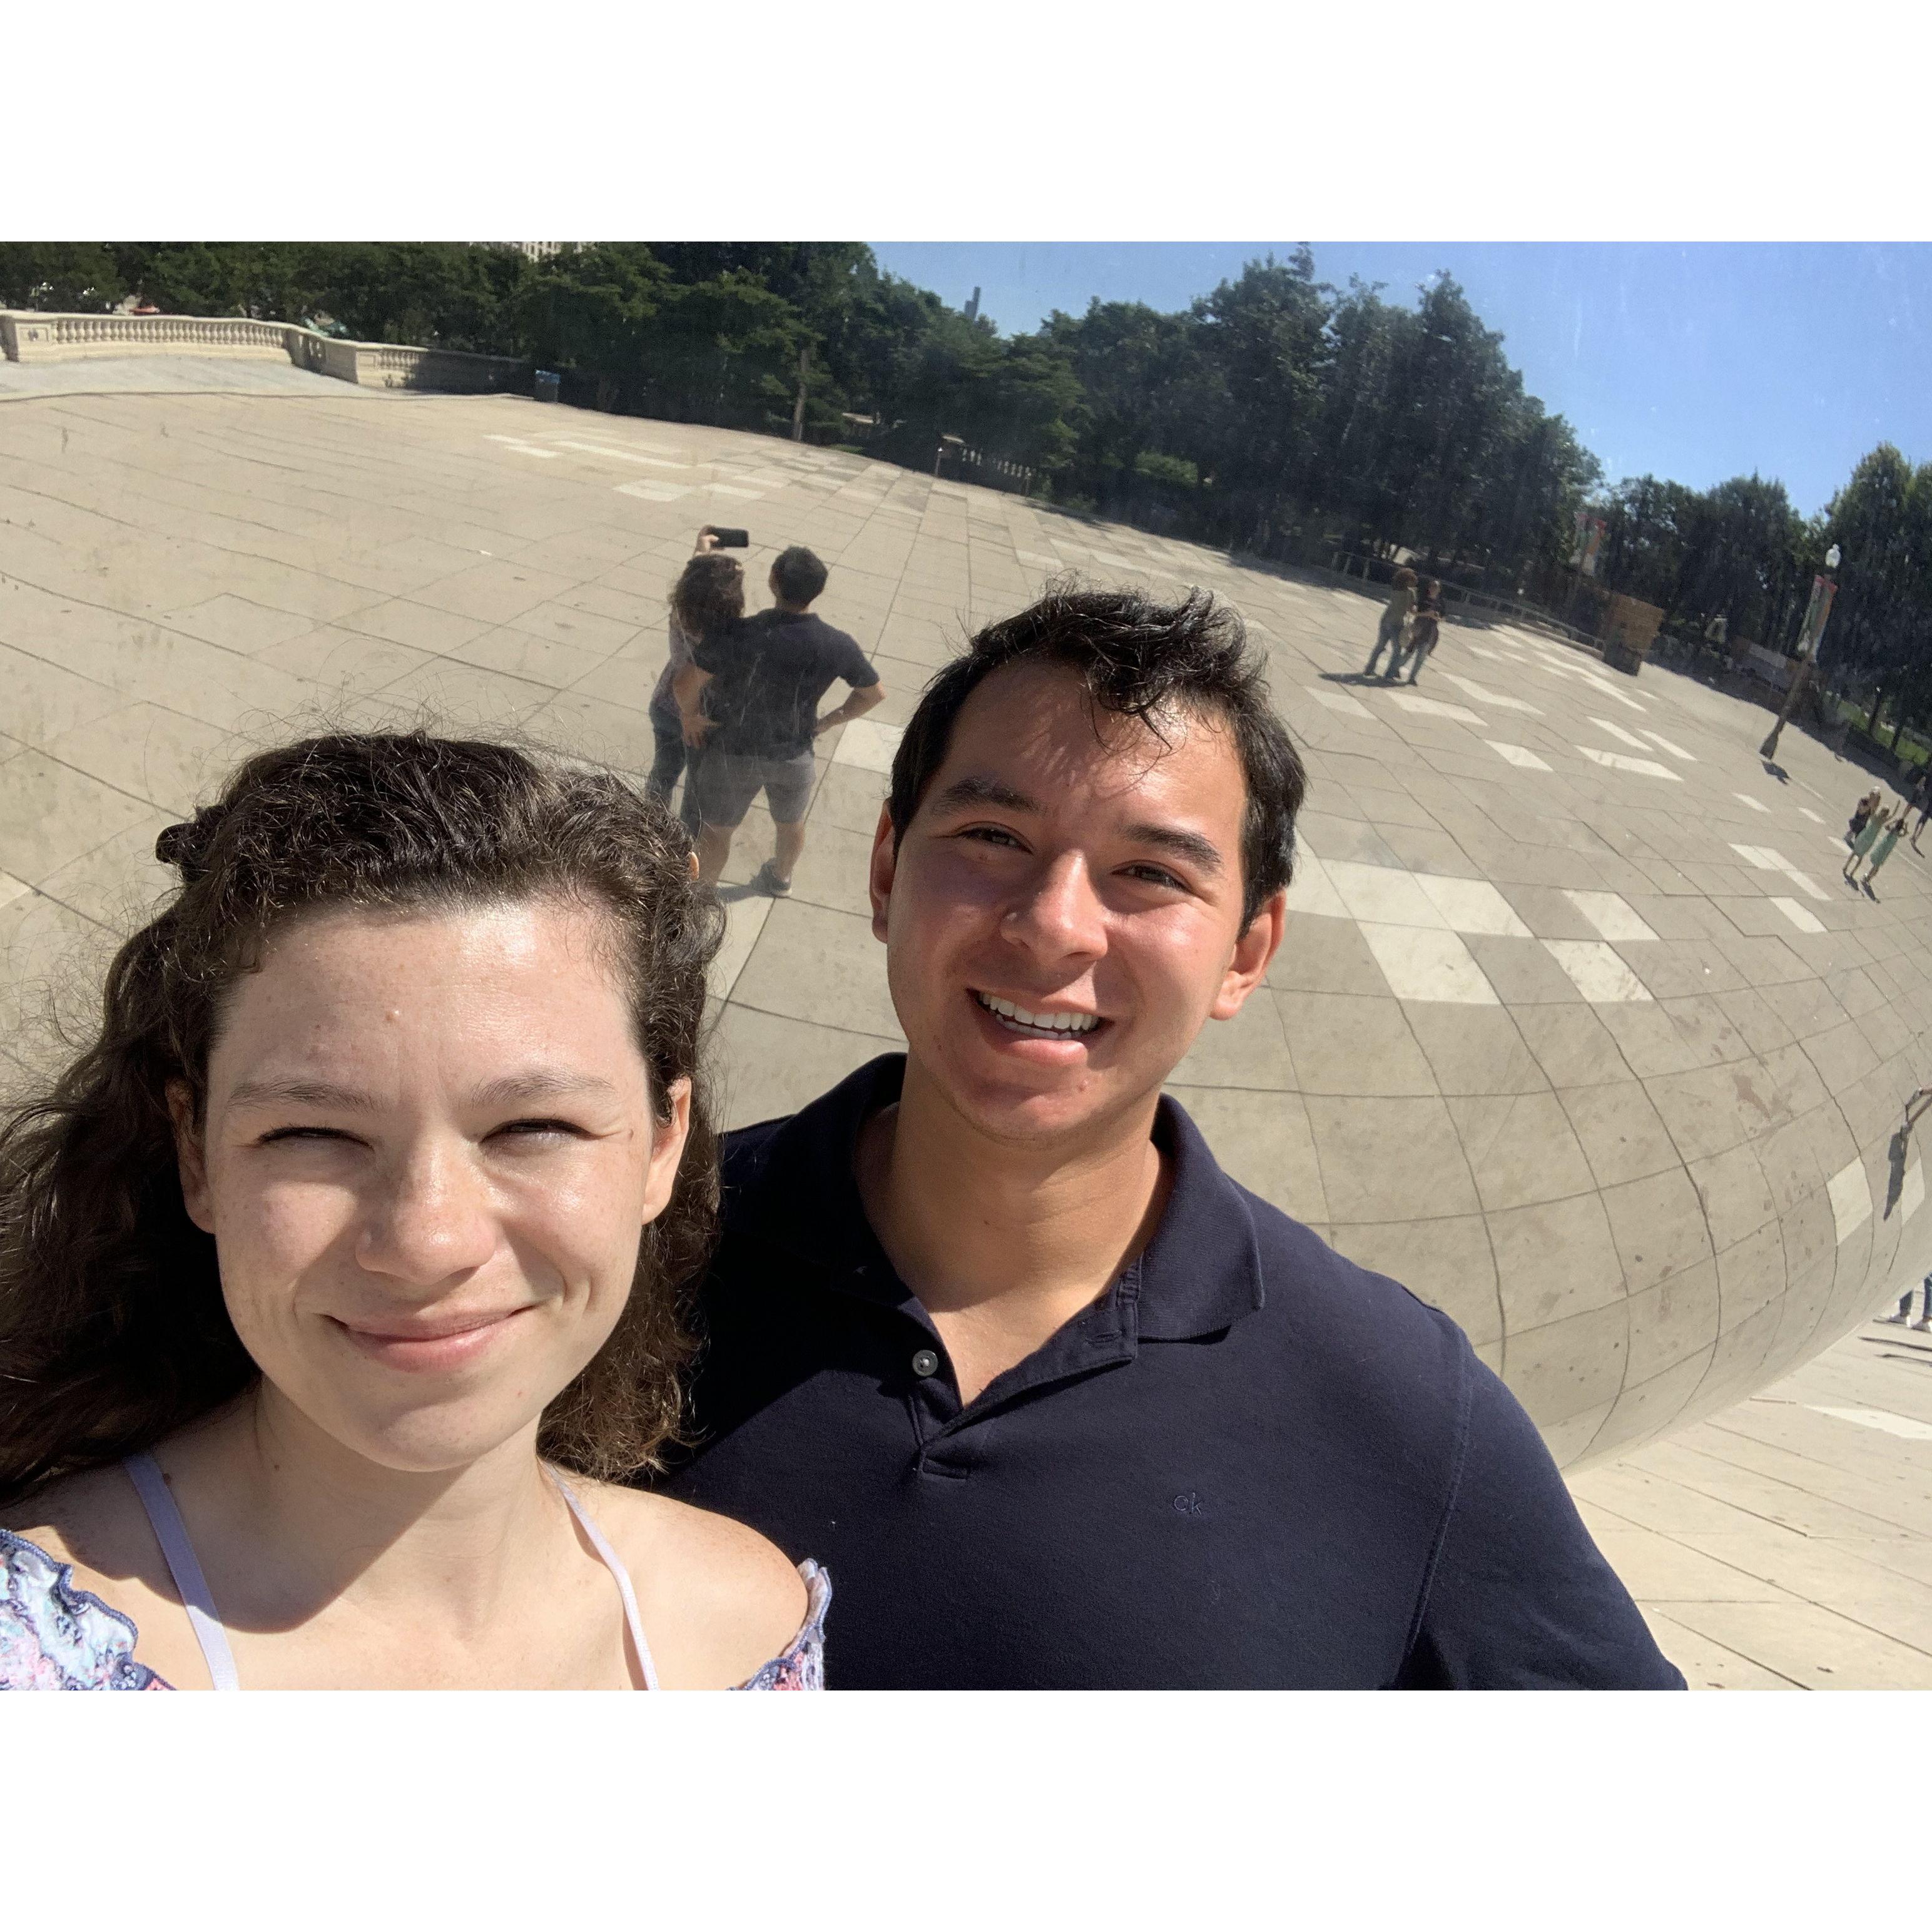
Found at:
<point>379,1217</point>
<point>737,703</point>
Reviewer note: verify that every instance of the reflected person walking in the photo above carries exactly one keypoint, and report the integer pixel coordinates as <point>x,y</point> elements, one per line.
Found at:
<point>1389,635</point>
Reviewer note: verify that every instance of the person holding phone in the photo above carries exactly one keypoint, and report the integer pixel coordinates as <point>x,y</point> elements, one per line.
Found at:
<point>707,598</point>
<point>749,699</point>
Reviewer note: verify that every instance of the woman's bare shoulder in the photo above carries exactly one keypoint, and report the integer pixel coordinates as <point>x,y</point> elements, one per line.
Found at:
<point>718,1600</point>
<point>93,1521</point>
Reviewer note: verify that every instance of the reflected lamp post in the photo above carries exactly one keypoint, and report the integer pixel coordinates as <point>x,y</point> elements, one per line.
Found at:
<point>1823,590</point>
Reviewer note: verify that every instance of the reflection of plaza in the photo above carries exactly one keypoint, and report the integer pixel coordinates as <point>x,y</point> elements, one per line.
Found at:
<point>1575,1031</point>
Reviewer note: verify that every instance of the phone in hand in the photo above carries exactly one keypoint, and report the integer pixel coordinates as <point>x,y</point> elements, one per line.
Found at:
<point>731,539</point>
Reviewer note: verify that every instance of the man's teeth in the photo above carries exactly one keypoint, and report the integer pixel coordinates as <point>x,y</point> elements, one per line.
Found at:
<point>1039,1022</point>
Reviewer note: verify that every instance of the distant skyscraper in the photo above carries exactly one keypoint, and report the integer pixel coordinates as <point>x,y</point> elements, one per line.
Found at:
<point>972,306</point>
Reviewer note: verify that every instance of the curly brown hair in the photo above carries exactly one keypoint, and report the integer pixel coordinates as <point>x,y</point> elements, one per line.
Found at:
<point>708,594</point>
<point>113,1330</point>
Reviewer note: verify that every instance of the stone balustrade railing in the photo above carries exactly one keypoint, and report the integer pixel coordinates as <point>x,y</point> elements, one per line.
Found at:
<point>28,337</point>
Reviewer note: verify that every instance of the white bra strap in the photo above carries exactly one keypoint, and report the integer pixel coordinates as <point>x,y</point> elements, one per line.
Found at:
<point>614,1564</point>
<point>171,1533</point>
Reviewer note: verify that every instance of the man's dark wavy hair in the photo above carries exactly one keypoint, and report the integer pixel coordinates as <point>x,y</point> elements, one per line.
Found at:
<point>799,574</point>
<point>113,1330</point>
<point>1135,659</point>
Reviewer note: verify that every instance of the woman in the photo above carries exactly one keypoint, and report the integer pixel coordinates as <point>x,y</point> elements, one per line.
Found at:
<point>1395,617</point>
<point>1889,828</point>
<point>708,597</point>
<point>1425,627</point>
<point>339,1277</point>
<point>1861,815</point>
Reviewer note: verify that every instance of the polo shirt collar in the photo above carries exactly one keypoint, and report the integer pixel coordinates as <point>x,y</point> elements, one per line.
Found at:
<point>1200,1273</point>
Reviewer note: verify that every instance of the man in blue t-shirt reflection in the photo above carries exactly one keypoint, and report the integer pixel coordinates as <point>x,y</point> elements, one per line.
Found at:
<point>749,701</point>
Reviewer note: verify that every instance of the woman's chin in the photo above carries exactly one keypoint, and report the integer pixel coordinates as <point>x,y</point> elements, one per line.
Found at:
<point>425,1438</point>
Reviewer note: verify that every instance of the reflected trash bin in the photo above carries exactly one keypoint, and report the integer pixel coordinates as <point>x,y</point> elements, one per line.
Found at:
<point>548,382</point>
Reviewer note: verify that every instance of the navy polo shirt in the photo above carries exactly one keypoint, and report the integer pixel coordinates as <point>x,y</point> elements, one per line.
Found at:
<point>1249,1463</point>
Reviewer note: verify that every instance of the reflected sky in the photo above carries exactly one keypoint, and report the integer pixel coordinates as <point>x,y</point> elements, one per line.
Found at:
<point>1694,363</point>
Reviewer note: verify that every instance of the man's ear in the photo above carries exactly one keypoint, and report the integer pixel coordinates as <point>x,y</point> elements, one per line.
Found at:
<point>190,1157</point>
<point>884,867</point>
<point>1257,946</point>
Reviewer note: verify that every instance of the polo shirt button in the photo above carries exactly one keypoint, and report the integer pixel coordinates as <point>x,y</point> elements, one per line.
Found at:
<point>924,1364</point>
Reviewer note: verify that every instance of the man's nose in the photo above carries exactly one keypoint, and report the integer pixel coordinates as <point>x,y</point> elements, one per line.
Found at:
<point>430,1220</point>
<point>1059,914</point>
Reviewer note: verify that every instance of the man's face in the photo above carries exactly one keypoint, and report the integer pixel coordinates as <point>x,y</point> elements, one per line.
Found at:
<point>1063,914</point>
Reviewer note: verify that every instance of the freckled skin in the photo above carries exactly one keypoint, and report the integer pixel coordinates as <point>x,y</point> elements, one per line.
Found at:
<point>433,1198</point>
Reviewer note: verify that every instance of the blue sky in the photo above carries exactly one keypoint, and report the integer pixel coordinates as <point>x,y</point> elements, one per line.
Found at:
<point>1692,362</point>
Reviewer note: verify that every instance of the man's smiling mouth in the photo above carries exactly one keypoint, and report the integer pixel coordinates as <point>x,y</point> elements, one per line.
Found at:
<point>1018,1019</point>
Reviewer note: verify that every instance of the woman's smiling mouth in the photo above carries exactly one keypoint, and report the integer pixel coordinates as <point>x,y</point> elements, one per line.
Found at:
<point>445,1343</point>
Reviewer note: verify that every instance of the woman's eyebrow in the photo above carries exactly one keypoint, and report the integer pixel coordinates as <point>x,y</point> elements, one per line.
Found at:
<point>298,1093</point>
<point>512,1089</point>
<point>543,1085</point>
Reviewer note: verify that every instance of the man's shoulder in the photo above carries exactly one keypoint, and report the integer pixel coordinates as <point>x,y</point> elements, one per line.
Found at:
<point>829,638</point>
<point>1326,1280</point>
<point>1367,1337</point>
<point>744,1153</point>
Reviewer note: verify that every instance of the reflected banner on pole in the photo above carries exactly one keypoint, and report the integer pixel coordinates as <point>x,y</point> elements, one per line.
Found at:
<point>1823,591</point>
<point>1590,532</point>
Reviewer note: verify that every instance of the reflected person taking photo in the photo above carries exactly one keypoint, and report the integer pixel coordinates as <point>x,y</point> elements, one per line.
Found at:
<point>749,698</point>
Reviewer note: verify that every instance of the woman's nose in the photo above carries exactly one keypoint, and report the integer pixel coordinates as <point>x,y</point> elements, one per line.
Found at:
<point>431,1220</point>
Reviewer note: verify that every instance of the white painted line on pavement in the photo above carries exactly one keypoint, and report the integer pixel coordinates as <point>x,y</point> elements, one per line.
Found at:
<point>1676,751</point>
<point>1516,754</point>
<point>1597,972</point>
<point>1612,914</point>
<point>1432,966</point>
<point>1428,707</point>
<point>1617,762</point>
<point>1907,1426</point>
<point>1851,1199</point>
<point>868,744</point>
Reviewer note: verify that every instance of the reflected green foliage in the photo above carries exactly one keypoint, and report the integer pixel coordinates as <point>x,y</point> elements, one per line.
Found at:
<point>1880,633</point>
<point>1276,414</point>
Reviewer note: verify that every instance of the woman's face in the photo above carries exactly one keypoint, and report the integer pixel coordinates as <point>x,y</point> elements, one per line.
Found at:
<point>428,1155</point>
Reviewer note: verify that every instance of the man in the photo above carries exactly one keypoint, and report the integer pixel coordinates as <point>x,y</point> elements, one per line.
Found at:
<point>1921,803</point>
<point>1057,1403</point>
<point>749,699</point>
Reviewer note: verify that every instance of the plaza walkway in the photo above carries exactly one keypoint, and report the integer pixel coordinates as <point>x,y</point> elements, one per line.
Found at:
<point>1576,1030</point>
<point>1787,1541</point>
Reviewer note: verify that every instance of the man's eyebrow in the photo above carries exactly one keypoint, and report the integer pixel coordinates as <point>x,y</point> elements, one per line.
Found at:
<point>975,791</point>
<point>1189,845</point>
